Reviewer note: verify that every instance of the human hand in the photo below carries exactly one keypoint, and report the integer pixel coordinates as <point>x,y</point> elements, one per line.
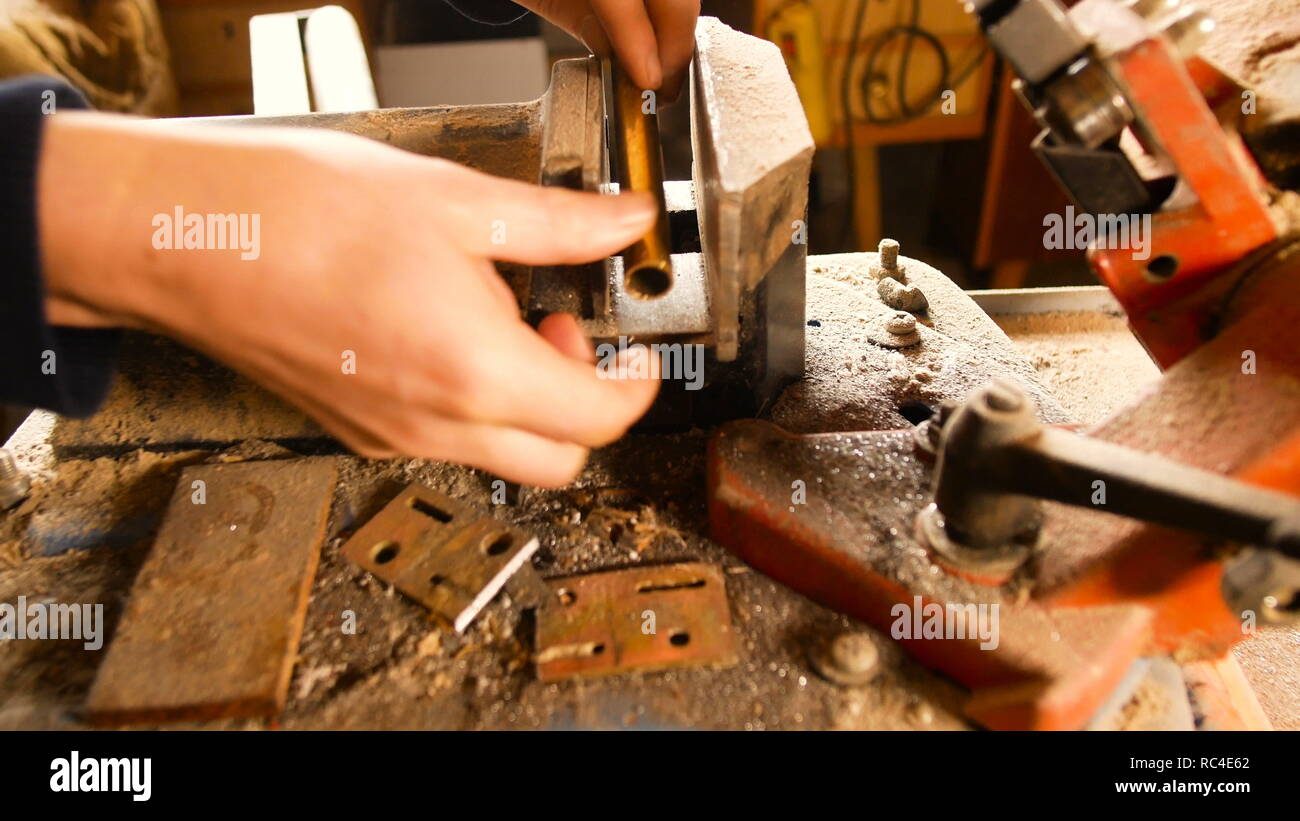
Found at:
<point>364,249</point>
<point>654,40</point>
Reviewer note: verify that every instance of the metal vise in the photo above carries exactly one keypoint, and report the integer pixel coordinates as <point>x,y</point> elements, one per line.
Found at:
<point>738,234</point>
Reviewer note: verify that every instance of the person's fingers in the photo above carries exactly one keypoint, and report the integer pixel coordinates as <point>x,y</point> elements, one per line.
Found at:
<point>512,454</point>
<point>633,37</point>
<point>359,441</point>
<point>654,47</point>
<point>501,290</point>
<point>593,36</point>
<point>512,221</point>
<point>577,18</point>
<point>566,336</point>
<point>674,24</point>
<point>554,395</point>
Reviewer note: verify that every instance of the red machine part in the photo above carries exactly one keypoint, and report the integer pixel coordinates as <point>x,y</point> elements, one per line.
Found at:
<point>1102,590</point>
<point>1171,298</point>
<point>1233,407</point>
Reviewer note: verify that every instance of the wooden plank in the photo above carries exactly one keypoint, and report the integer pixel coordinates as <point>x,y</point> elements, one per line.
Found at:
<point>212,626</point>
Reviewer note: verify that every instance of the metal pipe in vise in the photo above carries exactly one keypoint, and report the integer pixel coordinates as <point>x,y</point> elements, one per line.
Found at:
<point>634,134</point>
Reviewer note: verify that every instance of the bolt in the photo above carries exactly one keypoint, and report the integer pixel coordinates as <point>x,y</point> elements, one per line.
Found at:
<point>1266,582</point>
<point>886,265</point>
<point>14,484</point>
<point>901,324</point>
<point>849,658</point>
<point>896,330</point>
<point>888,254</point>
<point>854,652</point>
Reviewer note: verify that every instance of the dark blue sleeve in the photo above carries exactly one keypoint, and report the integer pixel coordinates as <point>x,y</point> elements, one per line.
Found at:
<point>67,370</point>
<point>492,12</point>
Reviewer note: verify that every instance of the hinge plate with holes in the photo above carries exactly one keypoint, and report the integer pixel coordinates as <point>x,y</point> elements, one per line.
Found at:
<point>440,553</point>
<point>645,618</point>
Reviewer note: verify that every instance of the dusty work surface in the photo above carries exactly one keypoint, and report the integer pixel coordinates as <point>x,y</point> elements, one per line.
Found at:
<point>399,670</point>
<point>90,523</point>
<point>91,520</point>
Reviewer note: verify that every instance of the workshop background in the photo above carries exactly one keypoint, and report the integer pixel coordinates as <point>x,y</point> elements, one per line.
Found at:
<point>937,176</point>
<point>951,177</point>
<point>933,172</point>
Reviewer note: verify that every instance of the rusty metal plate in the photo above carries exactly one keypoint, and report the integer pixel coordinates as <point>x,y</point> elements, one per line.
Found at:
<point>440,553</point>
<point>646,618</point>
<point>213,623</point>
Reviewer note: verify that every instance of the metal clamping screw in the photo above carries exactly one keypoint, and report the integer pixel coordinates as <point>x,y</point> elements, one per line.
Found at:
<point>887,265</point>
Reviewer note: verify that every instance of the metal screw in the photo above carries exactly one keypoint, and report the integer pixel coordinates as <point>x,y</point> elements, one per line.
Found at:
<point>901,324</point>
<point>854,652</point>
<point>849,659</point>
<point>886,265</point>
<point>888,249</point>
<point>895,330</point>
<point>14,484</point>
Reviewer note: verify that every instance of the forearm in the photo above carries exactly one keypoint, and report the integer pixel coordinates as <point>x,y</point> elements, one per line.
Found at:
<point>105,182</point>
<point>90,234</point>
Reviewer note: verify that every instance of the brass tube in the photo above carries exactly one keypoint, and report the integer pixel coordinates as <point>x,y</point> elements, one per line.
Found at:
<point>634,134</point>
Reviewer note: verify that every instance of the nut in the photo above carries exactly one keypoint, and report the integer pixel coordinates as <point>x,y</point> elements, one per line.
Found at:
<point>897,330</point>
<point>901,324</point>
